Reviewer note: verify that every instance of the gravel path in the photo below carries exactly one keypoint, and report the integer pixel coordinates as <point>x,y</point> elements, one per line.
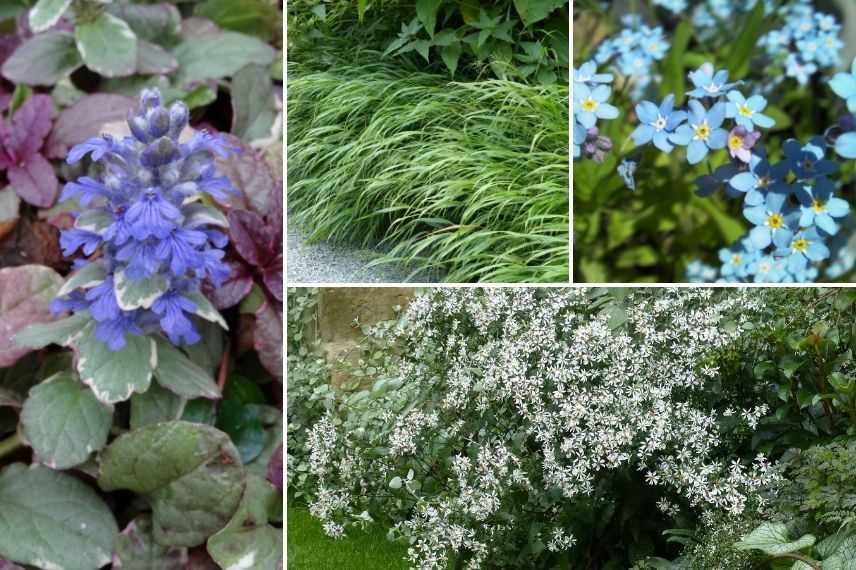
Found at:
<point>324,262</point>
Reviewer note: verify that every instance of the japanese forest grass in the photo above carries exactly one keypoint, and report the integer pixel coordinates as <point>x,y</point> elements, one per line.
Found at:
<point>465,180</point>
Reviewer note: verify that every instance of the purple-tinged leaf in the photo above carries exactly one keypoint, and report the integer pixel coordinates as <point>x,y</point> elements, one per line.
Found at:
<point>275,468</point>
<point>43,59</point>
<point>25,293</point>
<point>234,289</point>
<point>251,175</point>
<point>31,124</point>
<point>267,337</point>
<point>272,277</point>
<point>6,565</point>
<point>85,119</point>
<point>35,181</point>
<point>251,237</point>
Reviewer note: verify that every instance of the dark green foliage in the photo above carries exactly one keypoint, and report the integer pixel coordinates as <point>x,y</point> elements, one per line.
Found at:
<point>524,40</point>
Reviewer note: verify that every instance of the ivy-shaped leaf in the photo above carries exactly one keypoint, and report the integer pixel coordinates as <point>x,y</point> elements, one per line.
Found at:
<point>772,538</point>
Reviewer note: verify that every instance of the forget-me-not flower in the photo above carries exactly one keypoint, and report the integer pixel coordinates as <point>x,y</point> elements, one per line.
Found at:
<point>590,104</point>
<point>702,132</point>
<point>774,221</point>
<point>819,207</point>
<point>747,112</point>
<point>709,83</point>
<point>657,123</point>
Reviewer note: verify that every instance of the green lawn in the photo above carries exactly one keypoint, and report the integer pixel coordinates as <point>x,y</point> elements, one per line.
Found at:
<point>310,549</point>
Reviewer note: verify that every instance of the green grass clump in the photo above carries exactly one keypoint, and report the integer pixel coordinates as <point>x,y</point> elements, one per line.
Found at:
<point>466,180</point>
<point>310,549</point>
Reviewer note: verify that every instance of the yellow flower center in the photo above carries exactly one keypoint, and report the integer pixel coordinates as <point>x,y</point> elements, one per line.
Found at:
<point>800,244</point>
<point>736,259</point>
<point>745,110</point>
<point>702,131</point>
<point>819,206</point>
<point>776,221</point>
<point>764,267</point>
<point>589,105</point>
<point>764,181</point>
<point>735,142</point>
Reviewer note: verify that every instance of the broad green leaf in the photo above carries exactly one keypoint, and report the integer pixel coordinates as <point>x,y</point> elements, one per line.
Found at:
<point>180,375</point>
<point>426,11</point>
<point>107,45</point>
<point>214,56</point>
<point>155,405</point>
<point>44,59</point>
<point>255,17</point>
<point>532,11</point>
<point>62,332</point>
<point>206,310</point>
<point>248,541</point>
<point>136,549</point>
<point>46,13</point>
<point>140,293</point>
<point>51,520</point>
<point>744,46</point>
<point>114,376</point>
<point>772,539</point>
<point>253,103</point>
<point>451,54</point>
<point>192,499</point>
<point>86,277</point>
<point>64,422</point>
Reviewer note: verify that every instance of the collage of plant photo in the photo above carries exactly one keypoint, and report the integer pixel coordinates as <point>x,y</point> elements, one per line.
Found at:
<point>427,285</point>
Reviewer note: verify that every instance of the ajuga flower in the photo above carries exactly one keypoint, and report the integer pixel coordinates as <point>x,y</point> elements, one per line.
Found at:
<point>151,238</point>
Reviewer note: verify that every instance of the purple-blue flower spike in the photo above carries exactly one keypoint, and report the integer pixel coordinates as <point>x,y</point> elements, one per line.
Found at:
<point>152,240</point>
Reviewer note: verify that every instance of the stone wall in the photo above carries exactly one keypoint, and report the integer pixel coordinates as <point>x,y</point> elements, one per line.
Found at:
<point>337,309</point>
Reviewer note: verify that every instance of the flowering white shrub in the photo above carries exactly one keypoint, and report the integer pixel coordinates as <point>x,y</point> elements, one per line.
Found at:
<point>509,407</point>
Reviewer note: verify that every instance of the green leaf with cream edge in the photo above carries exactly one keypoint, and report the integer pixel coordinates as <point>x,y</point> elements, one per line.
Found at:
<point>138,293</point>
<point>193,499</point>
<point>107,45</point>
<point>64,422</point>
<point>114,376</point>
<point>46,13</point>
<point>52,520</point>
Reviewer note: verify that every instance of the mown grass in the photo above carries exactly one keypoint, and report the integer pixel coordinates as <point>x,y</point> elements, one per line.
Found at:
<point>310,549</point>
<point>465,180</point>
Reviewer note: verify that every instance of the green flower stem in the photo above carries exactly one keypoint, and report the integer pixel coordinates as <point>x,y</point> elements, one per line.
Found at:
<point>10,444</point>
